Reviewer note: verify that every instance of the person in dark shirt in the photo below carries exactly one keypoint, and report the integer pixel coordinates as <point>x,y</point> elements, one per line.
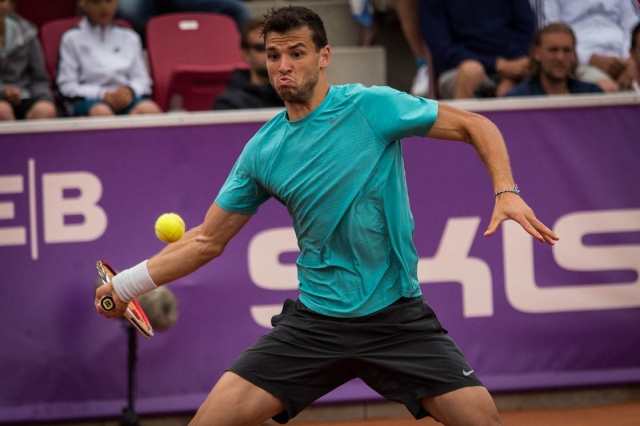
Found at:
<point>250,88</point>
<point>479,48</point>
<point>553,62</point>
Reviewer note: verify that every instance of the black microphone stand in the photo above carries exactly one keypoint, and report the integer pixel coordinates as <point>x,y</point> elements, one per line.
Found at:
<point>129,416</point>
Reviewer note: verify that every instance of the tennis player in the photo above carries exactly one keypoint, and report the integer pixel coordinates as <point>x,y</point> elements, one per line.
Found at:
<point>333,158</point>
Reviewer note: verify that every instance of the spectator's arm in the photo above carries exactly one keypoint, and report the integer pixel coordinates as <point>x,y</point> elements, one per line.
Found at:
<point>139,79</point>
<point>39,82</point>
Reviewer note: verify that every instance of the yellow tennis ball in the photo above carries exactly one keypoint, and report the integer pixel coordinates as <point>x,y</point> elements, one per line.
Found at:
<point>169,227</point>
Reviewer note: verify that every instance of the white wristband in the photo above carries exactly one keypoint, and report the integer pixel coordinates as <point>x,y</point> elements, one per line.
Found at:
<point>133,282</point>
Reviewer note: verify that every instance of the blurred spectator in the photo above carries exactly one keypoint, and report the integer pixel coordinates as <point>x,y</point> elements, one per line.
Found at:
<point>250,88</point>
<point>363,11</point>
<point>552,64</point>
<point>138,12</point>
<point>635,57</point>
<point>407,11</point>
<point>603,29</point>
<point>24,83</point>
<point>480,47</point>
<point>101,70</point>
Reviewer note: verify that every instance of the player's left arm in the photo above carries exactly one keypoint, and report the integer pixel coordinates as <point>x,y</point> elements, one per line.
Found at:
<point>456,124</point>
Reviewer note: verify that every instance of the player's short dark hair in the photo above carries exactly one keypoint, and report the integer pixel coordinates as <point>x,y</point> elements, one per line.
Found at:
<point>634,35</point>
<point>290,18</point>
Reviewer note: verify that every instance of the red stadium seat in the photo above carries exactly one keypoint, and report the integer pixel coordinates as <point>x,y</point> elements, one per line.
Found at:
<point>39,12</point>
<point>192,55</point>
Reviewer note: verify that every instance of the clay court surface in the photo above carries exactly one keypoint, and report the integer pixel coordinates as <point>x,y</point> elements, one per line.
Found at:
<point>623,414</point>
<point>615,414</point>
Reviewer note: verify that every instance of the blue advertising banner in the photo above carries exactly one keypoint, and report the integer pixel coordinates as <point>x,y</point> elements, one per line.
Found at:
<point>527,316</point>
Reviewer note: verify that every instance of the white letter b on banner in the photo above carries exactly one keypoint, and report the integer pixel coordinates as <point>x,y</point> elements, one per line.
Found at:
<point>87,190</point>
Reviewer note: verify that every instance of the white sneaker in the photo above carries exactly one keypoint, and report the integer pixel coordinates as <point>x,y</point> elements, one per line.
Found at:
<point>420,85</point>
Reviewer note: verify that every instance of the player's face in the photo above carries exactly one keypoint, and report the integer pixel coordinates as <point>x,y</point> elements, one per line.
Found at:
<point>294,64</point>
<point>557,56</point>
<point>100,12</point>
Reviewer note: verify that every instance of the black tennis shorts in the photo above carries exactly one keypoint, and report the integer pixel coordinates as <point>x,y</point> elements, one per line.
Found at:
<point>402,352</point>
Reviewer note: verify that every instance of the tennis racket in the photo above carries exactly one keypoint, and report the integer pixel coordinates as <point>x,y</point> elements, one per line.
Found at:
<point>134,312</point>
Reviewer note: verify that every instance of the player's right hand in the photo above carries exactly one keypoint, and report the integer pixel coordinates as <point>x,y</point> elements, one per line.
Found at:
<point>107,290</point>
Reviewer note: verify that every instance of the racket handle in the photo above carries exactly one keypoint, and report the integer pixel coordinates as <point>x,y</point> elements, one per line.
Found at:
<point>107,303</point>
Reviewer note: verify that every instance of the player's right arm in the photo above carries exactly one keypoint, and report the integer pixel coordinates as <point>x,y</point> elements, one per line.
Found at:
<point>197,247</point>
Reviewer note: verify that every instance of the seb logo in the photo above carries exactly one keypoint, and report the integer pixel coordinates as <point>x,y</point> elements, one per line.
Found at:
<point>453,263</point>
<point>68,207</point>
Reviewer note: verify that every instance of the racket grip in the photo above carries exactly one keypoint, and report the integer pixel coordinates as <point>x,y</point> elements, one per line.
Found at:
<point>107,303</point>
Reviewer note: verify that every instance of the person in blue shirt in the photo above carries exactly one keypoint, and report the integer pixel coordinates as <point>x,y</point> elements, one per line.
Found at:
<point>333,157</point>
<point>553,63</point>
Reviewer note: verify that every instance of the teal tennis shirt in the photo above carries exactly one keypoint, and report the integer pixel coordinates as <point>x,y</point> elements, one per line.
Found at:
<point>339,172</point>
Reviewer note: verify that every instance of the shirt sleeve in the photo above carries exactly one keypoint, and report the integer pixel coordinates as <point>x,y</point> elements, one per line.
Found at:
<point>396,115</point>
<point>630,18</point>
<point>39,84</point>
<point>241,193</point>
<point>551,11</point>
<point>139,79</point>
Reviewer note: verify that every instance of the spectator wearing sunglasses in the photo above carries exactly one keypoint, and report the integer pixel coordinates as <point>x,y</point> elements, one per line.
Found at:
<point>250,88</point>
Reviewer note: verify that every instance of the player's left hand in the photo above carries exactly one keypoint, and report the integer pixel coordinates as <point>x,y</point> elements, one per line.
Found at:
<point>511,206</point>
